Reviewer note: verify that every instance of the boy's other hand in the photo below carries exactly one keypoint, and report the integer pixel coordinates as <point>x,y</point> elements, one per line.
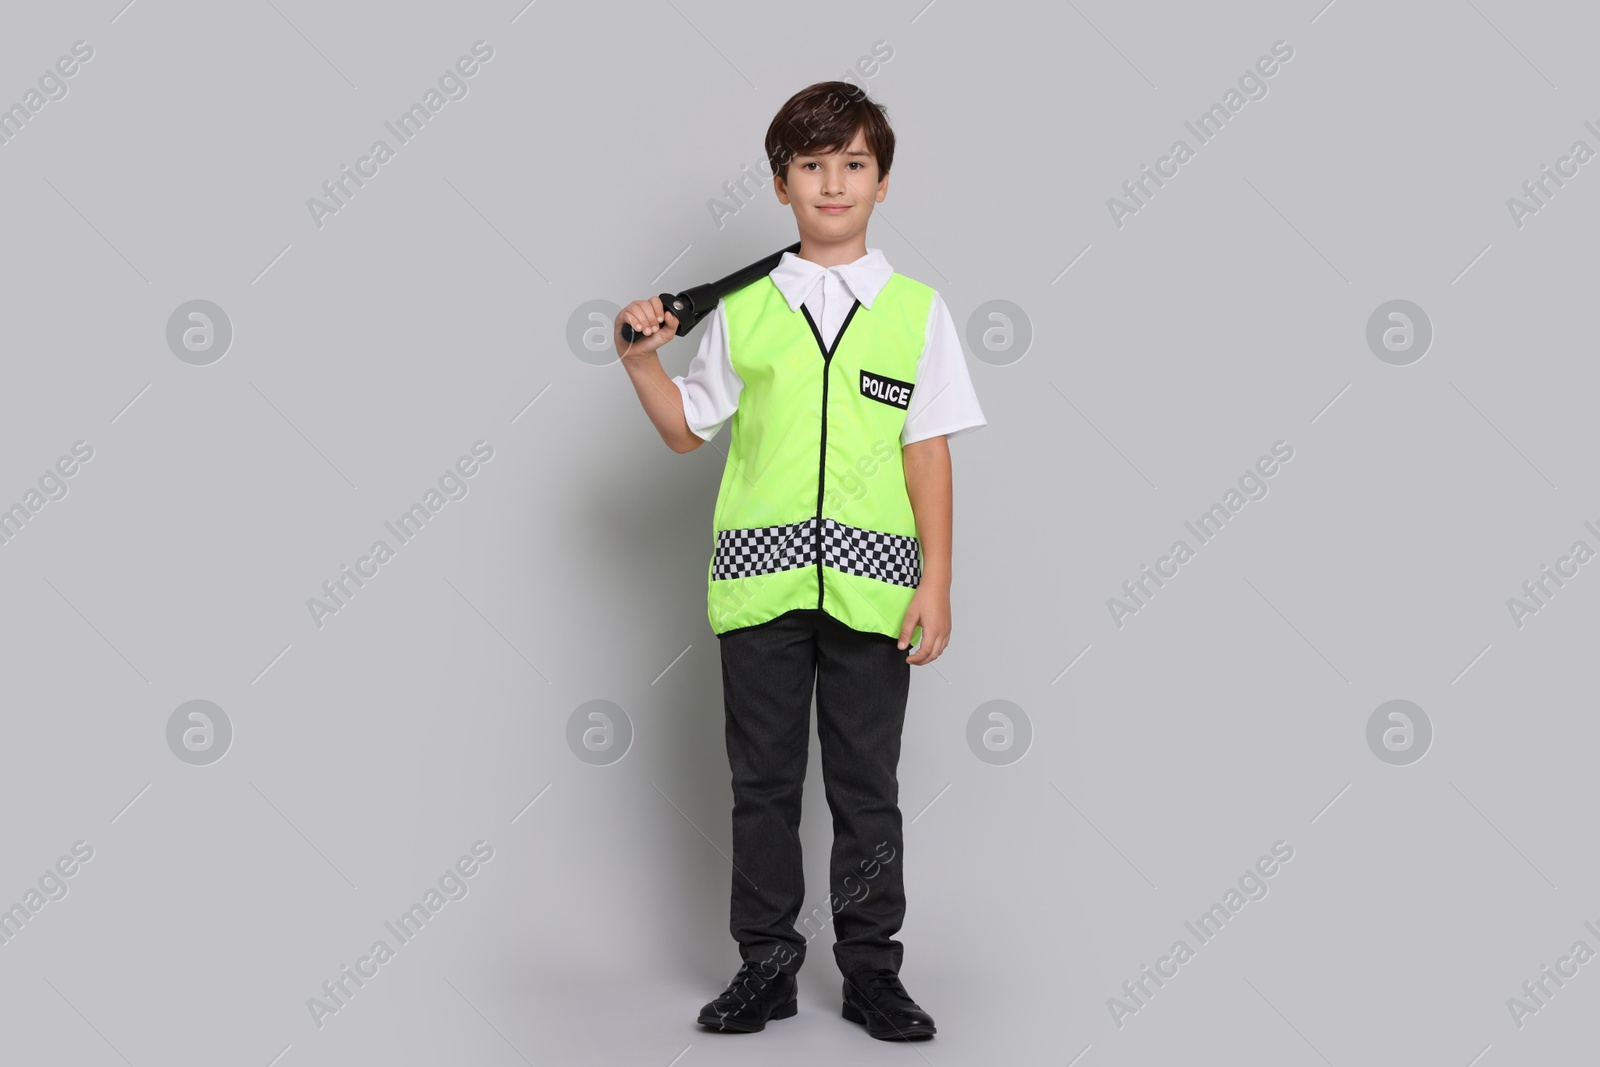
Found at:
<point>643,316</point>
<point>929,608</point>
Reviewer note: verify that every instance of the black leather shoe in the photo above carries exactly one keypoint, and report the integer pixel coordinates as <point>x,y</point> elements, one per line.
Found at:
<point>751,999</point>
<point>877,998</point>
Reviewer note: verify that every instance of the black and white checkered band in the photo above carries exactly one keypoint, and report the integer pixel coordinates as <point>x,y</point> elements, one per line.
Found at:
<point>764,550</point>
<point>887,557</point>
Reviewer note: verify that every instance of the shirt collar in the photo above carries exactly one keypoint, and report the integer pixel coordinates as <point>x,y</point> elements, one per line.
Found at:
<point>864,277</point>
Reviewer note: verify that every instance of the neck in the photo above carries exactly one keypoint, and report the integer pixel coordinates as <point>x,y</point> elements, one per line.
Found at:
<point>834,253</point>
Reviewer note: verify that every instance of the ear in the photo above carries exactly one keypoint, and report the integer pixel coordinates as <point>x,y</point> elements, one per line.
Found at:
<point>779,187</point>
<point>883,189</point>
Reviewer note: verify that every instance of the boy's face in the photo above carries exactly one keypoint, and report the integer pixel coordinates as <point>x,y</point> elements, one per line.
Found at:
<point>832,193</point>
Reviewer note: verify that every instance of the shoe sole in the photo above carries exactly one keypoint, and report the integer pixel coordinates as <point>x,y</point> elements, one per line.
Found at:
<point>728,1026</point>
<point>855,1015</point>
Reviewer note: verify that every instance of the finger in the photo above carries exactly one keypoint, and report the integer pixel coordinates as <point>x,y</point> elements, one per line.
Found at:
<point>635,313</point>
<point>637,343</point>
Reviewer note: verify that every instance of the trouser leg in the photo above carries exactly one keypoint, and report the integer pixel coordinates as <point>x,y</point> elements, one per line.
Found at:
<point>768,673</point>
<point>862,684</point>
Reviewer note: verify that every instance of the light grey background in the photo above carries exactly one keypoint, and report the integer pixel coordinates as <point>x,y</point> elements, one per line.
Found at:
<point>1166,756</point>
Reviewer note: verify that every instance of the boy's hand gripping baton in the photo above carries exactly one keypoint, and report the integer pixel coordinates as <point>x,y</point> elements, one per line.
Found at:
<point>692,305</point>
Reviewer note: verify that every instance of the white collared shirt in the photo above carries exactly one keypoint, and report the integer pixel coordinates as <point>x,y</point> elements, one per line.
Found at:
<point>942,403</point>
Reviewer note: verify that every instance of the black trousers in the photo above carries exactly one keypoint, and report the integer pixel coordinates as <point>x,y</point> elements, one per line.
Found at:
<point>861,681</point>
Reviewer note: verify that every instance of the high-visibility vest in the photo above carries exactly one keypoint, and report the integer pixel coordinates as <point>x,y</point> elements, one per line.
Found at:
<point>812,511</point>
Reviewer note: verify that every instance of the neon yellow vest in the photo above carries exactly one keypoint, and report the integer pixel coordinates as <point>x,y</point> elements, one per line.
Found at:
<point>813,510</point>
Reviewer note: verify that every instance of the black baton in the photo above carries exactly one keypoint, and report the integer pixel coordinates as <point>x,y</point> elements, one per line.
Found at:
<point>692,305</point>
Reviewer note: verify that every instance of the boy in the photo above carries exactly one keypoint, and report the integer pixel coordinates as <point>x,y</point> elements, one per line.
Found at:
<point>831,550</point>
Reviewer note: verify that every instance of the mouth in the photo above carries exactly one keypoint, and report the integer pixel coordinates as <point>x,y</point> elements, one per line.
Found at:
<point>833,209</point>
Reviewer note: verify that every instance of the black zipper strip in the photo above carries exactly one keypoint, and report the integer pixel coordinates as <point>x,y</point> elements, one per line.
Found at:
<point>822,457</point>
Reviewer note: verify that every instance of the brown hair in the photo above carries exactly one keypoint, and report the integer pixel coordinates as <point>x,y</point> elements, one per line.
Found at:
<point>824,118</point>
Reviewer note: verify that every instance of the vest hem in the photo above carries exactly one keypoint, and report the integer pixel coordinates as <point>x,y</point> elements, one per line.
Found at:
<point>821,613</point>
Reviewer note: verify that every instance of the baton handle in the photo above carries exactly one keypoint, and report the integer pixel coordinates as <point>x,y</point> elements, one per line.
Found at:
<point>692,305</point>
<point>677,305</point>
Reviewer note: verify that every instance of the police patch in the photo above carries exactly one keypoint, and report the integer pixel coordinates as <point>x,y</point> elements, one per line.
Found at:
<point>891,391</point>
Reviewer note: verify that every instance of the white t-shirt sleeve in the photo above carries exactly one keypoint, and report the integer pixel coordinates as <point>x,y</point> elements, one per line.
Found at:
<point>943,400</point>
<point>711,388</point>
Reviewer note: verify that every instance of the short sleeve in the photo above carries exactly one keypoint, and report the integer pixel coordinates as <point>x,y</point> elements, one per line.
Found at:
<point>711,388</point>
<point>943,400</point>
